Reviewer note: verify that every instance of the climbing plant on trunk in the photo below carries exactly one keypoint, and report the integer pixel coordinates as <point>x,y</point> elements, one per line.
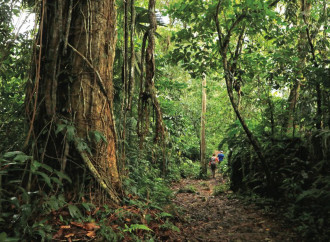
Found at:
<point>148,92</point>
<point>70,106</point>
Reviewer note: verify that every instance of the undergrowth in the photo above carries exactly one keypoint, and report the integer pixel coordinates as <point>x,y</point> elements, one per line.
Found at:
<point>300,168</point>
<point>189,169</point>
<point>221,189</point>
<point>34,215</point>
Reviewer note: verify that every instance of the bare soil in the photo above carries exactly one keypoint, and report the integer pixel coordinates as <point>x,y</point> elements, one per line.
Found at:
<point>206,217</point>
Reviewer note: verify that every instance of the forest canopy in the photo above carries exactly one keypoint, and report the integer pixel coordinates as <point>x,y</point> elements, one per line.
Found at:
<point>104,104</point>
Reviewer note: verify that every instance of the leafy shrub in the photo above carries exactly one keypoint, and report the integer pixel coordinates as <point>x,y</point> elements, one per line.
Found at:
<point>223,167</point>
<point>220,189</point>
<point>168,225</point>
<point>298,167</point>
<point>145,181</point>
<point>23,206</point>
<point>188,189</point>
<point>190,169</point>
<point>173,172</point>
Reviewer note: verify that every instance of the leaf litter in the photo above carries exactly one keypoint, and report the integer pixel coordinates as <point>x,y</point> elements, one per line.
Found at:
<point>194,214</point>
<point>205,217</point>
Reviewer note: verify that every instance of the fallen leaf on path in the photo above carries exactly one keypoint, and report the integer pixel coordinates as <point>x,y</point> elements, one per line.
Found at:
<point>69,235</point>
<point>91,234</point>
<point>91,226</point>
<point>58,234</point>
<point>65,227</point>
<point>80,225</point>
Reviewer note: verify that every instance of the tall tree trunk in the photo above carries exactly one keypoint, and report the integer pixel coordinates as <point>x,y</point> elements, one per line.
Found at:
<point>271,115</point>
<point>324,54</point>
<point>150,84</point>
<point>150,72</point>
<point>203,140</point>
<point>319,113</point>
<point>302,53</point>
<point>253,140</point>
<point>305,7</point>
<point>131,76</point>
<point>326,96</point>
<point>73,89</point>
<point>132,57</point>
<point>125,92</point>
<point>143,119</point>
<point>289,121</point>
<point>148,94</point>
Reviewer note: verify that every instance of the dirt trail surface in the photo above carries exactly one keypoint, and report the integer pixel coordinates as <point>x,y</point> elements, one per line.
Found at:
<point>219,218</point>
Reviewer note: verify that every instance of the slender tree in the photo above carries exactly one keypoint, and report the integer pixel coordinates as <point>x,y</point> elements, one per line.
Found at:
<point>147,86</point>
<point>302,47</point>
<point>132,57</point>
<point>203,138</point>
<point>229,66</point>
<point>125,89</point>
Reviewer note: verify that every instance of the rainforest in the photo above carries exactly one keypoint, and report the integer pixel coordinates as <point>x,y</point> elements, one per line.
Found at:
<point>111,110</point>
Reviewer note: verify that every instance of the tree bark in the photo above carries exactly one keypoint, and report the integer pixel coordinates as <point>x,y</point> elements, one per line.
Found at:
<point>253,140</point>
<point>150,72</point>
<point>203,140</point>
<point>132,57</point>
<point>150,89</point>
<point>75,88</point>
<point>125,90</point>
<point>142,120</point>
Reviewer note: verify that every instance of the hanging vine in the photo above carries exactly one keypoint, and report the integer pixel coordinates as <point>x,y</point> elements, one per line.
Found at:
<point>72,95</point>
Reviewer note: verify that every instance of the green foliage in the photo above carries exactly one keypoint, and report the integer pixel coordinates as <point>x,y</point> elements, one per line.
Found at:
<point>221,188</point>
<point>96,136</point>
<point>188,189</point>
<point>67,128</point>
<point>204,184</point>
<point>138,219</point>
<point>108,233</point>
<point>135,227</point>
<point>301,183</point>
<point>169,226</point>
<point>15,52</point>
<point>223,167</point>
<point>165,215</point>
<point>53,203</point>
<point>22,206</point>
<point>275,56</point>
<point>74,212</point>
<point>144,181</point>
<point>190,169</point>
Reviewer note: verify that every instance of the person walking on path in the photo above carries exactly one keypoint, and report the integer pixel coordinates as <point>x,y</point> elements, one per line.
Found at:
<point>220,157</point>
<point>213,164</point>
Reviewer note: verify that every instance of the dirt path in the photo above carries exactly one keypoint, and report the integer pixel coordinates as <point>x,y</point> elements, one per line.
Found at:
<point>219,218</point>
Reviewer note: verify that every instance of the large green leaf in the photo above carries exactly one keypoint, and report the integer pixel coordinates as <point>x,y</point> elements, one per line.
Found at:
<point>63,176</point>
<point>45,177</point>
<point>74,211</point>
